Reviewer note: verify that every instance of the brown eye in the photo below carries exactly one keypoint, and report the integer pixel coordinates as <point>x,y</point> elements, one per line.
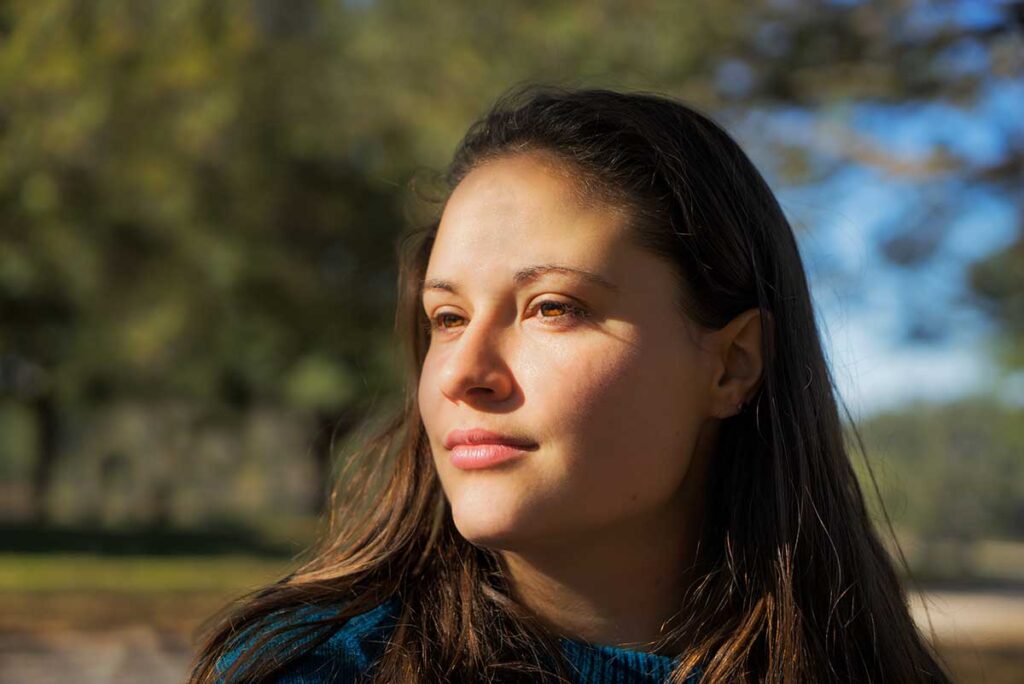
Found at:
<point>561,310</point>
<point>558,307</point>
<point>545,308</point>
<point>562,313</point>
<point>440,320</point>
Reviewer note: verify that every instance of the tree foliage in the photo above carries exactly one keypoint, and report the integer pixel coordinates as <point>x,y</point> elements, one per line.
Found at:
<point>199,199</point>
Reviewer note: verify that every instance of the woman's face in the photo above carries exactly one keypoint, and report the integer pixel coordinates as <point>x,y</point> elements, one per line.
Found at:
<point>601,373</point>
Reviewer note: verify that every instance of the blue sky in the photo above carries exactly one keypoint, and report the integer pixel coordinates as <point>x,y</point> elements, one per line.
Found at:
<point>863,300</point>
<point>862,317</point>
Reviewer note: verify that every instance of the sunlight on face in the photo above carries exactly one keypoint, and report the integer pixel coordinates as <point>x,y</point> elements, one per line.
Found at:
<point>599,369</point>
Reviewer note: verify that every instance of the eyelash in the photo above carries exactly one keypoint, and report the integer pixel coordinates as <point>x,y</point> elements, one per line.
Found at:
<point>573,312</point>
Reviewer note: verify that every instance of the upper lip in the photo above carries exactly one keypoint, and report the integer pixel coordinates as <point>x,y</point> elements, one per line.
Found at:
<point>481,436</point>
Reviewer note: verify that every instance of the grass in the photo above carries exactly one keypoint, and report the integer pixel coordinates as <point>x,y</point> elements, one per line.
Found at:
<point>72,572</point>
<point>80,592</point>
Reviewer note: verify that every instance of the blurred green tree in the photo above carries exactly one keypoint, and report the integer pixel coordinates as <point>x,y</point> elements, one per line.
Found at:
<point>181,217</point>
<point>199,198</point>
<point>952,475</point>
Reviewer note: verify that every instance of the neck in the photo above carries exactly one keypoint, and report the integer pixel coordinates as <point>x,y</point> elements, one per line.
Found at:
<point>620,585</point>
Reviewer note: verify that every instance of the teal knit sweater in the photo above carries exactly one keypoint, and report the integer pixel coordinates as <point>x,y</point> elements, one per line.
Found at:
<point>352,651</point>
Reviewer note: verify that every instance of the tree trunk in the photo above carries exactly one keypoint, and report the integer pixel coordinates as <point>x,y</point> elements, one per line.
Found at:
<point>47,422</point>
<point>331,430</point>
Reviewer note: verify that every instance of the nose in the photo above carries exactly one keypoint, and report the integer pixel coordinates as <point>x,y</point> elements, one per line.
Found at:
<point>475,368</point>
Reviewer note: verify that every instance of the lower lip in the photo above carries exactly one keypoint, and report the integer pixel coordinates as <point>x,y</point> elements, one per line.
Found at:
<point>476,456</point>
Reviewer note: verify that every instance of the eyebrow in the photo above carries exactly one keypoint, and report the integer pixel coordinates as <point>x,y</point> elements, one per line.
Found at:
<point>529,274</point>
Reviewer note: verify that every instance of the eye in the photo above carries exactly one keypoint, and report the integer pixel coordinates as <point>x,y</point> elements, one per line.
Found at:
<point>559,313</point>
<point>439,318</point>
<point>570,311</point>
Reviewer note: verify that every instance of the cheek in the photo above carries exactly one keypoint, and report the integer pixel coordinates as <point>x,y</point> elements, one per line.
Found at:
<point>428,399</point>
<point>428,391</point>
<point>632,415</point>
<point>423,400</point>
<point>422,390</point>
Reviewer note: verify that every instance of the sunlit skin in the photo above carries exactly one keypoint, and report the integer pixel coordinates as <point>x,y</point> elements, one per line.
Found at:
<point>598,525</point>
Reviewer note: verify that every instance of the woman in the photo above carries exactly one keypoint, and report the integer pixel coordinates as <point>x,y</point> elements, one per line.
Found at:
<point>620,456</point>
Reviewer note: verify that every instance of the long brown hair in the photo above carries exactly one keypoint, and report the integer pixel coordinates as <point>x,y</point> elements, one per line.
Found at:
<point>794,584</point>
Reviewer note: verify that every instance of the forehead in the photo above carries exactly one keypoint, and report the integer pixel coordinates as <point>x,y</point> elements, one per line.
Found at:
<point>520,211</point>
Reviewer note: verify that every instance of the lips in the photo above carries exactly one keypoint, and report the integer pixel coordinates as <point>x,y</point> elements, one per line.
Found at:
<point>475,436</point>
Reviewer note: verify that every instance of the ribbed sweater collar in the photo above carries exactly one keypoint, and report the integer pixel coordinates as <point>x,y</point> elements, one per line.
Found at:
<point>352,650</point>
<point>613,665</point>
<point>601,664</point>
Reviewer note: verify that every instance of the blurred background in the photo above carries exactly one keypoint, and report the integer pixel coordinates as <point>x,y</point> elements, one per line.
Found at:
<point>198,206</point>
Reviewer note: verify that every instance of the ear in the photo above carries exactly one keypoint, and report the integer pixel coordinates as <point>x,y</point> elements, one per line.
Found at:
<point>738,363</point>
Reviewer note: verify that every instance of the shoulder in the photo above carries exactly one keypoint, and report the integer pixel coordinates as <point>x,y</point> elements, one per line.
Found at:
<point>350,652</point>
<point>344,657</point>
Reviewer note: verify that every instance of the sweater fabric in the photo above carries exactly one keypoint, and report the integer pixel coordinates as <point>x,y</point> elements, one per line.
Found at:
<point>350,653</point>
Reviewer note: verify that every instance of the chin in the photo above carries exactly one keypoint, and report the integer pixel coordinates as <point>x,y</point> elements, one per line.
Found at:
<point>486,523</point>
<point>496,540</point>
